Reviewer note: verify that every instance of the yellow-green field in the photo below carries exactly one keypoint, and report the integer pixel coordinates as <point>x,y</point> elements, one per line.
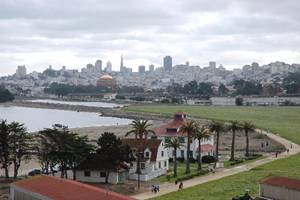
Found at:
<point>282,120</point>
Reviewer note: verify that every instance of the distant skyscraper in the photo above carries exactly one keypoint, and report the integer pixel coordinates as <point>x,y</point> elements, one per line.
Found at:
<point>98,65</point>
<point>151,68</point>
<point>212,64</point>
<point>21,71</point>
<point>121,64</point>
<point>142,69</point>
<point>108,68</point>
<point>168,63</point>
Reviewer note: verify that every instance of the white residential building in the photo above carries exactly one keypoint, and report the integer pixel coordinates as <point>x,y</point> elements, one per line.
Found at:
<point>154,158</point>
<point>170,130</point>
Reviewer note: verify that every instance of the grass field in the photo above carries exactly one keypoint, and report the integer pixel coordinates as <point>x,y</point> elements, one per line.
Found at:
<point>180,172</point>
<point>282,120</point>
<point>226,188</point>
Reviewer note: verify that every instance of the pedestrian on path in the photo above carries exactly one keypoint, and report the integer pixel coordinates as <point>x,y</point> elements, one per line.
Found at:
<point>180,185</point>
<point>288,150</point>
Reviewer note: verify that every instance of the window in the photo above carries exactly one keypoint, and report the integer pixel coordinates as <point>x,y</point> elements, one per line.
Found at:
<point>165,164</point>
<point>159,165</point>
<point>162,153</point>
<point>182,153</point>
<point>143,166</point>
<point>103,174</point>
<point>87,173</point>
<point>147,154</point>
<point>191,154</point>
<point>181,139</point>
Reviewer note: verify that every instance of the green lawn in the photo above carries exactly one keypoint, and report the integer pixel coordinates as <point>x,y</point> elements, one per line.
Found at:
<point>226,188</point>
<point>180,171</point>
<point>282,120</point>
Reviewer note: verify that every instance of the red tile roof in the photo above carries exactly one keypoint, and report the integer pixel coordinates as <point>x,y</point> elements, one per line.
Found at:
<point>63,189</point>
<point>152,144</point>
<point>284,182</point>
<point>174,124</point>
<point>206,147</point>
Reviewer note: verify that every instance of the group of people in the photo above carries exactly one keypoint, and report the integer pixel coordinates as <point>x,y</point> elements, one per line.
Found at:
<point>155,188</point>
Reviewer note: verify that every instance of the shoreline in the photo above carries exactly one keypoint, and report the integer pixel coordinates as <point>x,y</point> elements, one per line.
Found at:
<point>105,112</point>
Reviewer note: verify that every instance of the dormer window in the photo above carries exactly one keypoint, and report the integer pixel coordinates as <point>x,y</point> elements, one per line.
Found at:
<point>147,154</point>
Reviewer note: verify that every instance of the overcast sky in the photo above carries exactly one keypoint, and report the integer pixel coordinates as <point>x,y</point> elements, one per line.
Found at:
<point>39,33</point>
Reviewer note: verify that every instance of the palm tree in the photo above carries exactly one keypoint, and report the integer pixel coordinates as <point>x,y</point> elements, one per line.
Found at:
<point>140,128</point>
<point>201,133</point>
<point>233,127</point>
<point>175,144</point>
<point>189,127</point>
<point>247,127</point>
<point>217,127</point>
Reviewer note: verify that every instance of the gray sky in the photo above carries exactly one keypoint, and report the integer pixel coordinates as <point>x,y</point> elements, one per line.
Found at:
<point>39,33</point>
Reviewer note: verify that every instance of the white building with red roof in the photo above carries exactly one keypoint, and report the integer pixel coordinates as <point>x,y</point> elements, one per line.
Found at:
<point>154,158</point>
<point>171,129</point>
<point>279,188</point>
<point>54,188</point>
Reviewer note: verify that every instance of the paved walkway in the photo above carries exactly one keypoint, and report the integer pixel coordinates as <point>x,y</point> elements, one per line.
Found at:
<point>171,187</point>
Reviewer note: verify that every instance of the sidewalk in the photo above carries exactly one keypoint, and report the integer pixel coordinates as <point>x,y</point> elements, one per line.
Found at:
<point>171,187</point>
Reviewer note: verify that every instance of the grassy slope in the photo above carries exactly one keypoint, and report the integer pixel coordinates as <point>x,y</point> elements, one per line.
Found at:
<point>228,187</point>
<point>282,120</point>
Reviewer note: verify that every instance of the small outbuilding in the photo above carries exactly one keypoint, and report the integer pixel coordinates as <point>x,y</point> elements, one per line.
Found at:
<point>279,188</point>
<point>54,188</point>
<point>94,170</point>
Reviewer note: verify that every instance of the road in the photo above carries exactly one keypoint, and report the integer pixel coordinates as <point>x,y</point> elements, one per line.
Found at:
<point>166,188</point>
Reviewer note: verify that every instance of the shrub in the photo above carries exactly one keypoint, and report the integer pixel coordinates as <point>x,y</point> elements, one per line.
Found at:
<point>168,177</point>
<point>192,160</point>
<point>120,96</point>
<point>237,161</point>
<point>208,159</point>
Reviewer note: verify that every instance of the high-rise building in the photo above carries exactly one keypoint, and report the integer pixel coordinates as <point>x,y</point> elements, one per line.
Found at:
<point>151,68</point>
<point>142,69</point>
<point>21,71</point>
<point>98,65</point>
<point>168,63</point>
<point>212,65</point>
<point>121,64</point>
<point>108,68</point>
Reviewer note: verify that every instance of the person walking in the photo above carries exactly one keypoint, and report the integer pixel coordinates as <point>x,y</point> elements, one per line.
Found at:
<point>180,185</point>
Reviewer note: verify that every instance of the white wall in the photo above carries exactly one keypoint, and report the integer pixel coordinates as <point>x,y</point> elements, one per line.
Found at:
<point>95,177</point>
<point>281,193</point>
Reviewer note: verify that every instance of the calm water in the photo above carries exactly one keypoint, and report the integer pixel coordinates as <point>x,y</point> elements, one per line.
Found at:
<point>82,103</point>
<point>36,119</point>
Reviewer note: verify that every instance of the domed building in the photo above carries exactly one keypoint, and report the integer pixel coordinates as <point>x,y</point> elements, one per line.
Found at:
<point>107,81</point>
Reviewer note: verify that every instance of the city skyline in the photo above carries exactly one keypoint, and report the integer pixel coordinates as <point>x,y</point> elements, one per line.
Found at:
<point>41,33</point>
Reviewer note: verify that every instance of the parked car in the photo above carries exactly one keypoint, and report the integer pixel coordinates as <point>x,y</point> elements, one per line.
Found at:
<point>34,172</point>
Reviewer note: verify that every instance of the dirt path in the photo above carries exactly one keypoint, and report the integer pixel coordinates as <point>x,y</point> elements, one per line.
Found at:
<point>171,187</point>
